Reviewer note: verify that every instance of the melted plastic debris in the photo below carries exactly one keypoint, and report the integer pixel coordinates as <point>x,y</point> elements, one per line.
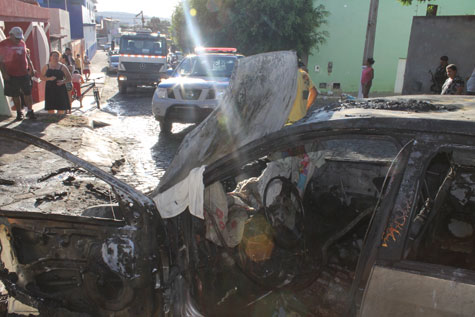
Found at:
<point>412,105</point>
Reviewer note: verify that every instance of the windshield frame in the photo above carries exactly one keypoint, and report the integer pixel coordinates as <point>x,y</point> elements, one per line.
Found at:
<point>198,69</point>
<point>141,49</point>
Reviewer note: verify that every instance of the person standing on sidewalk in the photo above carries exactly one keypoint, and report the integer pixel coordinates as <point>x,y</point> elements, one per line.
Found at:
<point>14,65</point>
<point>78,63</point>
<point>86,70</point>
<point>454,84</point>
<point>56,76</point>
<point>68,60</point>
<point>367,76</point>
<point>77,81</point>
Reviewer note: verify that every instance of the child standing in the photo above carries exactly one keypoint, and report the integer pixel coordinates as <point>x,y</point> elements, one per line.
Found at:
<point>77,81</point>
<point>86,70</point>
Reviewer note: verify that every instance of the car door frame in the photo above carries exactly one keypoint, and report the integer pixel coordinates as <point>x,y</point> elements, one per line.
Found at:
<point>389,249</point>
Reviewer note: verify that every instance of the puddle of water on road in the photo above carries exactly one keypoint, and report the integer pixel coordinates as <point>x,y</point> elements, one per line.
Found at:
<point>147,152</point>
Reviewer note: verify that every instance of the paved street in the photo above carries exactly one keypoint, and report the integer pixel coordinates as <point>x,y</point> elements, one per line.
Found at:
<point>146,152</point>
<point>125,140</point>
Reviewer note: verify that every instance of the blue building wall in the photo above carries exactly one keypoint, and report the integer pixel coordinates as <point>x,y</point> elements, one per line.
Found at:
<point>75,21</point>
<point>81,21</point>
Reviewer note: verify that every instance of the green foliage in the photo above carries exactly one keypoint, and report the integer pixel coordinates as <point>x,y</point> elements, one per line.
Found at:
<point>253,26</point>
<point>156,25</point>
<point>178,30</point>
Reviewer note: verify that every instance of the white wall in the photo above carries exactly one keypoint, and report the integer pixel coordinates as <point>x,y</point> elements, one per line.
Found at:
<point>90,40</point>
<point>59,20</point>
<point>88,15</point>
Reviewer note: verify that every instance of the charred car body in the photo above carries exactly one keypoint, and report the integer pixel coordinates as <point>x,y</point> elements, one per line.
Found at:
<point>318,218</point>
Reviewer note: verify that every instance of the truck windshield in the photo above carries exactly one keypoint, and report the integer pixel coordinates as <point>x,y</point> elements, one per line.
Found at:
<point>207,66</point>
<point>142,46</point>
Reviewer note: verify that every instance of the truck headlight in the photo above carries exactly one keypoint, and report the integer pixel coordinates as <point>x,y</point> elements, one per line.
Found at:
<point>122,77</point>
<point>162,93</point>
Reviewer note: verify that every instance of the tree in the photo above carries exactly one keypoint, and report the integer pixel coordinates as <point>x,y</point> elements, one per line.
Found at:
<point>181,38</point>
<point>154,24</point>
<point>157,25</point>
<point>254,26</point>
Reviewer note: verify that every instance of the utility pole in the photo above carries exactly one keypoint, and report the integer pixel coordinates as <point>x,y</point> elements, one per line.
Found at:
<point>370,36</point>
<point>371,30</point>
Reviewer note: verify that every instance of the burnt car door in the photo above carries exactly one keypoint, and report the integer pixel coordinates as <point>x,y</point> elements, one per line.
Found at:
<point>285,220</point>
<point>104,262</point>
<point>425,263</point>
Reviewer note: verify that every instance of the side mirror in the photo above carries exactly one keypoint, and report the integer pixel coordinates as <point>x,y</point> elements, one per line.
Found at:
<point>170,72</point>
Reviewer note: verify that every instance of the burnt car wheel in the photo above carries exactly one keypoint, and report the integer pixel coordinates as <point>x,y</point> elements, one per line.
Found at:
<point>108,290</point>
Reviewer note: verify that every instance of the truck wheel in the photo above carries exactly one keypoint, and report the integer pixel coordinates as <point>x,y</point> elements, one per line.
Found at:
<point>165,126</point>
<point>123,89</point>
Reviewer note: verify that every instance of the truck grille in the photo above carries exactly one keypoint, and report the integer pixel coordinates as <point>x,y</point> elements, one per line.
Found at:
<point>190,94</point>
<point>142,67</point>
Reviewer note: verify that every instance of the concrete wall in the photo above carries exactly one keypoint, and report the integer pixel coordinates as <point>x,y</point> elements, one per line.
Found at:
<point>59,20</point>
<point>432,37</point>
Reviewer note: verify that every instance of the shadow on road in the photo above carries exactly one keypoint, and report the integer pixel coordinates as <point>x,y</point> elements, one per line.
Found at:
<point>35,127</point>
<point>164,150</point>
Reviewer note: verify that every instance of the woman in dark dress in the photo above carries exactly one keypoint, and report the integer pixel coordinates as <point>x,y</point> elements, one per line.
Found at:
<point>56,76</point>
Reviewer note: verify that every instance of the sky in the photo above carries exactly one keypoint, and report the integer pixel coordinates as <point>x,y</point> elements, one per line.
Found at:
<point>158,8</point>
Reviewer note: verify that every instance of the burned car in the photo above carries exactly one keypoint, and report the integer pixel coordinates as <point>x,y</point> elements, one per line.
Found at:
<point>362,208</point>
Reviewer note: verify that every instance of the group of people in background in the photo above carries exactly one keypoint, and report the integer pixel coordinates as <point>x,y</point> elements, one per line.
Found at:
<point>62,74</point>
<point>448,82</point>
<point>445,79</point>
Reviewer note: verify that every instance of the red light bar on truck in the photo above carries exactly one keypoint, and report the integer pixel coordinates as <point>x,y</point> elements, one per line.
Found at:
<point>215,50</point>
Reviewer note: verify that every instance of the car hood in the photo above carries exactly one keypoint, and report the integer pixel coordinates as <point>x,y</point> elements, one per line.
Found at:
<point>258,101</point>
<point>417,107</point>
<point>195,82</point>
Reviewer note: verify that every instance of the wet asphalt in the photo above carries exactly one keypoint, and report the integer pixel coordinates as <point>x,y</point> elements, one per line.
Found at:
<point>129,146</point>
<point>146,151</point>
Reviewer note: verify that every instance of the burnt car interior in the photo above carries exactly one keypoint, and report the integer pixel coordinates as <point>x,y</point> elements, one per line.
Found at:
<point>442,231</point>
<point>70,236</point>
<point>285,229</point>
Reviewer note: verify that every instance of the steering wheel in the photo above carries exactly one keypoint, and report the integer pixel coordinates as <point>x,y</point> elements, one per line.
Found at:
<point>287,205</point>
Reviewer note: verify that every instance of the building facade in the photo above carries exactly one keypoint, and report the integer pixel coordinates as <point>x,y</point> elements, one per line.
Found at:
<point>336,66</point>
<point>60,33</point>
<point>81,20</point>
